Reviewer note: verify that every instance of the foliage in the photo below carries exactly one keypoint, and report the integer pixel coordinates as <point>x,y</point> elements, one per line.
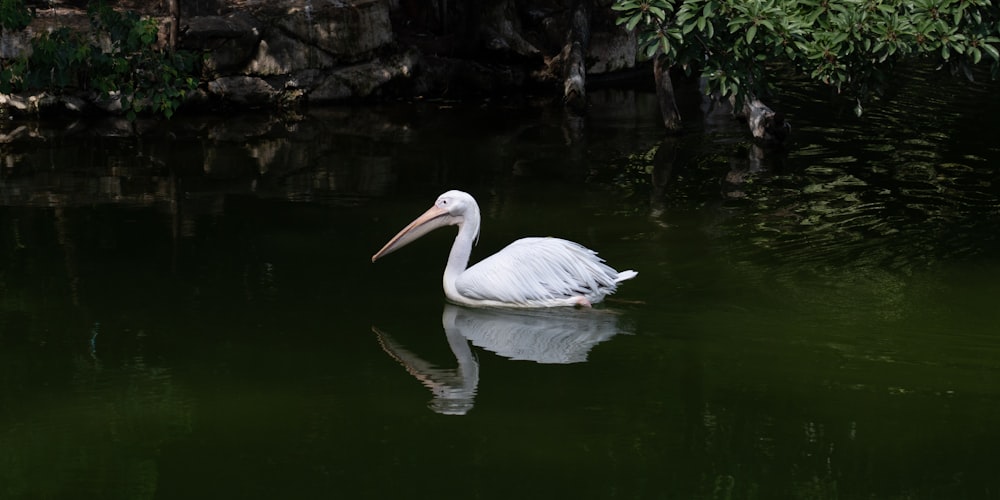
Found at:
<point>14,15</point>
<point>119,59</point>
<point>848,44</point>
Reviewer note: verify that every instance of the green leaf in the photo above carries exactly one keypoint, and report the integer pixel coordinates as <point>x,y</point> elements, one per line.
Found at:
<point>683,16</point>
<point>991,51</point>
<point>665,45</point>
<point>633,22</point>
<point>736,23</point>
<point>651,50</point>
<point>620,6</point>
<point>751,31</point>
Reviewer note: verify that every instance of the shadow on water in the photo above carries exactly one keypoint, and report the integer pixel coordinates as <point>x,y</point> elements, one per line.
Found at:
<point>558,336</point>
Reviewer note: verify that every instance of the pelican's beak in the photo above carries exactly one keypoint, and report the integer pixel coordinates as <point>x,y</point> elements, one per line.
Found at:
<point>432,219</point>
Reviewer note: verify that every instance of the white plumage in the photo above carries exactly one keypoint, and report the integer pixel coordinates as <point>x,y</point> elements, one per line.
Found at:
<point>530,272</point>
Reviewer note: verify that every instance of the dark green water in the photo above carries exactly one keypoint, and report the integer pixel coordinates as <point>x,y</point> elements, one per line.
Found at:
<point>198,318</point>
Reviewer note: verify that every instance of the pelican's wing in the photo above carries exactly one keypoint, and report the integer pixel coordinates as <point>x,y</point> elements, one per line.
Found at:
<point>532,270</point>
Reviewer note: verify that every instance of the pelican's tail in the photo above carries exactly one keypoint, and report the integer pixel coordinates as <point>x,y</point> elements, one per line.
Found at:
<point>625,275</point>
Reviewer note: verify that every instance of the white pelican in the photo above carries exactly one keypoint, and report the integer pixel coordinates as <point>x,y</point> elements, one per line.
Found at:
<point>530,272</point>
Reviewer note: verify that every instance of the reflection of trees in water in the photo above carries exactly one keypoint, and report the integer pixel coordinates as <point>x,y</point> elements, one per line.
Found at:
<point>252,155</point>
<point>909,185</point>
<point>895,209</point>
<point>336,156</point>
<point>863,233</point>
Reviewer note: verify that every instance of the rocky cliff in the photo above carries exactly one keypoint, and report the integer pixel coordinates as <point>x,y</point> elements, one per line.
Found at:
<point>261,53</point>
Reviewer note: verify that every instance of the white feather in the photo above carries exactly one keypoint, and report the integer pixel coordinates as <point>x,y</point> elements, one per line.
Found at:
<point>539,272</point>
<point>530,272</point>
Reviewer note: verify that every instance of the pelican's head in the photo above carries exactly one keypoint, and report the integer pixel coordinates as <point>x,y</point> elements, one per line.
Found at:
<point>458,204</point>
<point>454,208</point>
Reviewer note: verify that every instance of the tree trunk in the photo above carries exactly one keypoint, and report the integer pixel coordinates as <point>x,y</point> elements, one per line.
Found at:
<point>175,22</point>
<point>765,124</point>
<point>575,67</point>
<point>665,94</point>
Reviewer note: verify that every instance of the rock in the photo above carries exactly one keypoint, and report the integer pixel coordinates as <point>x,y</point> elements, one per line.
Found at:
<point>74,103</point>
<point>319,34</point>
<point>14,101</point>
<point>110,104</point>
<point>611,51</point>
<point>15,43</point>
<point>44,101</point>
<point>243,90</point>
<point>461,77</point>
<point>276,54</point>
<point>348,31</point>
<point>229,42</point>
<point>362,80</point>
<point>280,54</point>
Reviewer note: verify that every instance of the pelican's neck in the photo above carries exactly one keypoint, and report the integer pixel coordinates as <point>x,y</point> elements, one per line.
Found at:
<point>458,258</point>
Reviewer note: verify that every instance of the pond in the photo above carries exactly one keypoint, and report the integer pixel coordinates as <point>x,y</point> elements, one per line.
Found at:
<point>192,312</point>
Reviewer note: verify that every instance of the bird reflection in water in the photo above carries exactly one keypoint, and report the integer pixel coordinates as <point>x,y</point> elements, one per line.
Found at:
<point>547,336</point>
